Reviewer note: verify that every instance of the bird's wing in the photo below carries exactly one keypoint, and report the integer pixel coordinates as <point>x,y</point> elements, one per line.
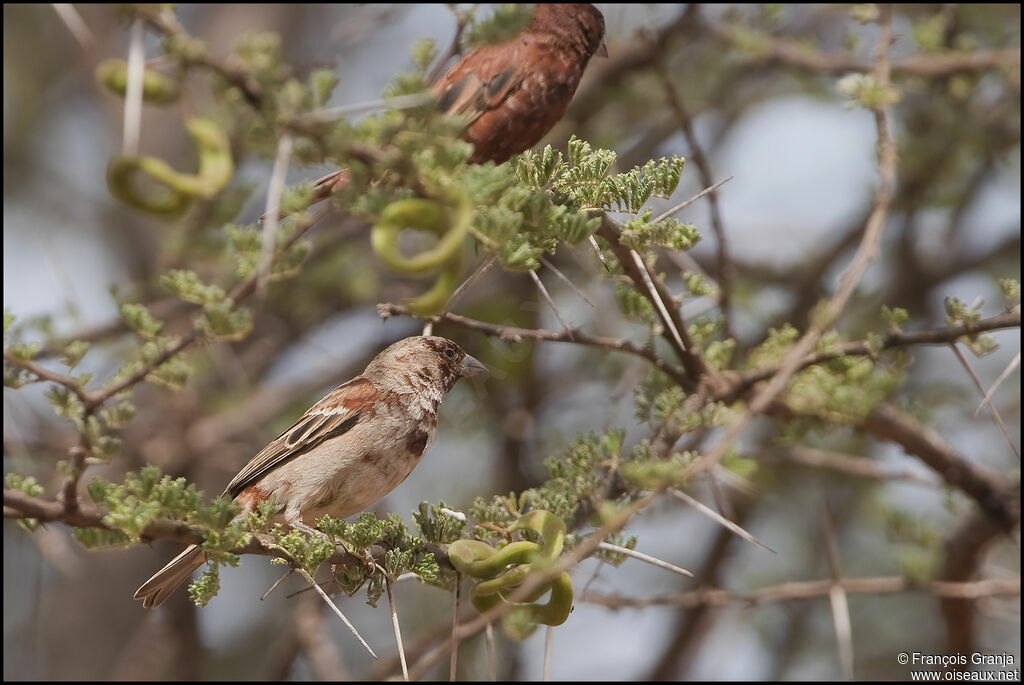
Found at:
<point>480,81</point>
<point>332,416</point>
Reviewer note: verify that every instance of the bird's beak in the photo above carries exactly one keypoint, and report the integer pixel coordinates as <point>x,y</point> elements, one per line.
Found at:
<point>602,50</point>
<point>471,367</point>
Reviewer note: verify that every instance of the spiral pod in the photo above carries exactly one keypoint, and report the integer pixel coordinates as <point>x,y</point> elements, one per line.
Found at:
<point>171,192</point>
<point>157,88</point>
<point>448,218</point>
<point>502,570</point>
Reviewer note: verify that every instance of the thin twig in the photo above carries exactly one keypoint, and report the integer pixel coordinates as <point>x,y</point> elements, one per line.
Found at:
<point>862,467</point>
<point>718,518</point>
<point>646,558</point>
<point>133,91</point>
<point>164,21</point>
<point>796,53</point>
<point>284,153</point>
<point>76,25</point>
<point>398,630</point>
<point>325,116</point>
<point>892,340</point>
<point>981,389</point>
<point>726,268</point>
<point>461,19</point>
<point>513,334</point>
<point>453,663</point>
<point>810,589</point>
<point>866,253</point>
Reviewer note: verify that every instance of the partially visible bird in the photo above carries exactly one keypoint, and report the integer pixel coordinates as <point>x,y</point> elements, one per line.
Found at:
<point>511,94</point>
<point>346,451</point>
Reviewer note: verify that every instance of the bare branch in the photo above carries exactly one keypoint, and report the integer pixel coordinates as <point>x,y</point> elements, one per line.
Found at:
<point>514,334</point>
<point>812,589</point>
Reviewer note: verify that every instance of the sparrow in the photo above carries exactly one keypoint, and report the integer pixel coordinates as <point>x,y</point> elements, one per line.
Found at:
<point>346,451</point>
<point>511,94</point>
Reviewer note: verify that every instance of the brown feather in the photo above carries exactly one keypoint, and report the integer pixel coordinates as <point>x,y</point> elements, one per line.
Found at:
<point>332,416</point>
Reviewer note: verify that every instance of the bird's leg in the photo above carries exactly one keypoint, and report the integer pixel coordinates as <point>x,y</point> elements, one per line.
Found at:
<point>294,519</point>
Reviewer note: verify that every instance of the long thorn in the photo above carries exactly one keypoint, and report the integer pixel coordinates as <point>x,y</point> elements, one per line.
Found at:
<point>492,662</point>
<point>398,102</point>
<point>551,303</point>
<point>837,595</point>
<point>662,309</point>
<point>284,152</point>
<point>398,631</point>
<point>133,91</point>
<point>646,558</point>
<point>547,653</point>
<point>991,409</point>
<point>718,518</point>
<point>683,205</point>
<point>477,273</point>
<point>600,255</point>
<point>73,20</point>
<point>565,279</point>
<point>276,583</point>
<point>336,610</point>
<point>1014,363</point>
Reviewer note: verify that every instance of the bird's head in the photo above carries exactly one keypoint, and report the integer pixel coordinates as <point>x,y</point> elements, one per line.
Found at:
<point>423,361</point>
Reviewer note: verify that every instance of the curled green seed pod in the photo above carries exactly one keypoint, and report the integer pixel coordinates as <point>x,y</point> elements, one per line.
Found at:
<point>503,570</point>
<point>522,619</point>
<point>157,88</point>
<point>480,560</point>
<point>174,191</point>
<point>448,221</point>
<point>434,300</point>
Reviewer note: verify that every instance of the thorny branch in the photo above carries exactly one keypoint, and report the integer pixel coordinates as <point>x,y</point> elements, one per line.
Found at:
<point>810,589</point>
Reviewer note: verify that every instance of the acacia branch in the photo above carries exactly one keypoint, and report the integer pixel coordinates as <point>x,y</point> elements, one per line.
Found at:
<point>166,24</point>
<point>866,253</point>
<point>792,53</point>
<point>810,589</point>
<point>726,268</point>
<point>892,340</point>
<point>697,369</point>
<point>513,334</point>
<point>996,496</point>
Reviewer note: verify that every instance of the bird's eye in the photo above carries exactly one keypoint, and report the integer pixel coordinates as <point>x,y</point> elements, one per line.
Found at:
<point>449,352</point>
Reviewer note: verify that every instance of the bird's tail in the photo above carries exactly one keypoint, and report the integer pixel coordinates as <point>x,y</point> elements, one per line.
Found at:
<point>322,188</point>
<point>168,579</point>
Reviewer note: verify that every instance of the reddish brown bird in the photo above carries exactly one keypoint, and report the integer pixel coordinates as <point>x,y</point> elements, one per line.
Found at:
<point>346,451</point>
<point>511,94</point>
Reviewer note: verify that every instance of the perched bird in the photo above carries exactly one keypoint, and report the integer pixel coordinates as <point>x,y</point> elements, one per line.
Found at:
<point>346,451</point>
<point>511,94</point>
